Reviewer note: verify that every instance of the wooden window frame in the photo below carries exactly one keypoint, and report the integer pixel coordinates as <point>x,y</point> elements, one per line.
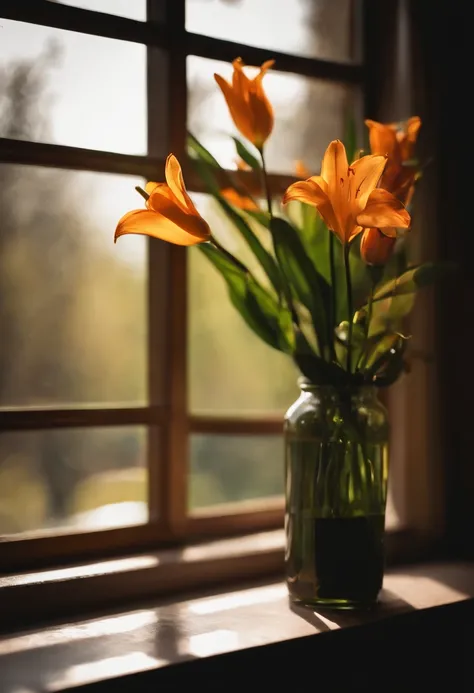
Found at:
<point>166,416</point>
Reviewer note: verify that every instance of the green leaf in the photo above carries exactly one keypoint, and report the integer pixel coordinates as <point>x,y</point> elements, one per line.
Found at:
<point>358,343</point>
<point>263,256</point>
<point>207,175</point>
<point>301,276</point>
<point>314,368</point>
<point>259,215</point>
<point>315,238</point>
<point>246,156</point>
<point>388,313</point>
<point>383,350</point>
<point>201,151</point>
<point>413,279</point>
<point>199,154</point>
<point>360,274</point>
<point>261,312</point>
<point>360,279</point>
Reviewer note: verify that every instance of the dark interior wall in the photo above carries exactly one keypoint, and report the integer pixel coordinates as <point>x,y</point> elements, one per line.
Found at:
<point>438,60</point>
<point>442,45</point>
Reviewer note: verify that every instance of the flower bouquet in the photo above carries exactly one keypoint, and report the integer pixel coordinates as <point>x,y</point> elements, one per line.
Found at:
<point>335,287</point>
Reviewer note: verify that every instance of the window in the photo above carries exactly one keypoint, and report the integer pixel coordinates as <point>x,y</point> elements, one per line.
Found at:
<point>128,420</point>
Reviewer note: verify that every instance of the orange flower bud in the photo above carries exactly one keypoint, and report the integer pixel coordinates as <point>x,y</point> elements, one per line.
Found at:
<point>249,107</point>
<point>375,247</point>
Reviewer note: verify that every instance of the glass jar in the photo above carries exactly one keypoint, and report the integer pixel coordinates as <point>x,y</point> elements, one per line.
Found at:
<point>336,472</point>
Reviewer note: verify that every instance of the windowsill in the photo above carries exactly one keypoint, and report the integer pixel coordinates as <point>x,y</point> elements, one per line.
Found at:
<point>145,641</point>
<point>37,598</point>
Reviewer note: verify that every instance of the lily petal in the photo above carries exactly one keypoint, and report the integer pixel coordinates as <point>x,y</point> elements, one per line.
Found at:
<point>407,144</point>
<point>149,223</point>
<point>334,165</point>
<point>150,186</point>
<point>383,139</point>
<point>237,107</point>
<point>413,125</point>
<point>384,211</point>
<point>240,81</point>
<point>314,192</point>
<point>156,193</point>
<point>366,174</point>
<point>301,171</point>
<point>308,191</point>
<point>174,178</point>
<point>267,65</point>
<point>262,115</point>
<point>240,201</point>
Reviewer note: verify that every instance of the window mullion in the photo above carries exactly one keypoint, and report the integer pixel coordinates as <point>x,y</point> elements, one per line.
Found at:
<point>167,281</point>
<point>176,489</point>
<point>87,21</point>
<point>25,419</point>
<point>76,158</point>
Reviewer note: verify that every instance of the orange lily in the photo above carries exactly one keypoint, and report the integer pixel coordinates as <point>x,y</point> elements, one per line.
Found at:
<point>347,197</point>
<point>170,214</point>
<point>241,165</point>
<point>375,247</point>
<point>249,107</point>
<point>397,142</point>
<point>238,200</point>
<point>300,170</point>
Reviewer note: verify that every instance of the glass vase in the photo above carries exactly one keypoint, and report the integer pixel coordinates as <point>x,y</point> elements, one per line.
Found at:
<point>336,470</point>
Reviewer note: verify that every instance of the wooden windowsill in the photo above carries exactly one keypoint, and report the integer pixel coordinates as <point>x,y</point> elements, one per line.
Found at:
<point>145,648</point>
<point>43,596</point>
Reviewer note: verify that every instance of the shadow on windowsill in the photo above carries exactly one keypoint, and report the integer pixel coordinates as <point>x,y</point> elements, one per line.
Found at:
<point>326,619</point>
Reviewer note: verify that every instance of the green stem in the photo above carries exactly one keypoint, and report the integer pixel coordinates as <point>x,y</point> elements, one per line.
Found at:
<point>349,305</point>
<point>375,276</point>
<point>370,304</point>
<point>142,192</point>
<point>287,290</point>
<point>225,252</point>
<point>369,309</point>
<point>332,306</point>
<point>266,187</point>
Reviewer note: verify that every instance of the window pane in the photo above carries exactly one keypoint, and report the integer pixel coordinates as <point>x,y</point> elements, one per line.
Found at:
<point>231,371</point>
<point>313,28</point>
<point>72,304</point>
<point>226,469</point>
<point>80,479</point>
<point>133,9</point>
<point>309,113</point>
<point>68,88</point>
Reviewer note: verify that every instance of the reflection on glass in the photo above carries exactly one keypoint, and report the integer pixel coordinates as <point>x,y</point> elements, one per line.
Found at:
<point>313,28</point>
<point>231,371</point>
<point>309,113</point>
<point>68,88</point>
<point>72,304</point>
<point>135,9</point>
<point>227,469</point>
<point>75,479</point>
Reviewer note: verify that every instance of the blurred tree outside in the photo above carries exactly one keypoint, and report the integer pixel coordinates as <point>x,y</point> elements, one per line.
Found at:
<point>68,313</point>
<point>73,326</point>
